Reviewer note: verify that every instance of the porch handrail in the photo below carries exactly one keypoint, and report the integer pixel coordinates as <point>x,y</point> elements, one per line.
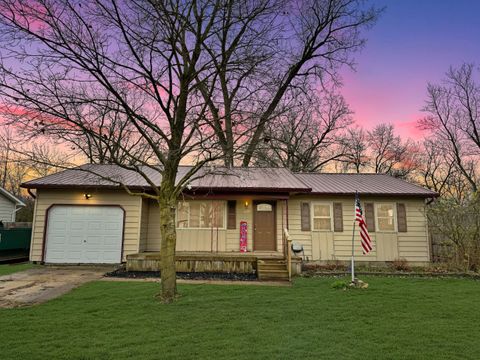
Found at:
<point>288,252</point>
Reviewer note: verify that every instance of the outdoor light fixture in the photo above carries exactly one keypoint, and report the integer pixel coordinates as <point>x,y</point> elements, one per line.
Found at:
<point>87,196</point>
<point>246,204</point>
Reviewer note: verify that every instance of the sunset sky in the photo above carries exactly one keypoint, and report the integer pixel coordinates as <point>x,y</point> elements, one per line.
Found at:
<point>413,43</point>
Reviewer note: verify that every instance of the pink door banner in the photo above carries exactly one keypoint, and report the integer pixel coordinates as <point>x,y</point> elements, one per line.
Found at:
<point>243,236</point>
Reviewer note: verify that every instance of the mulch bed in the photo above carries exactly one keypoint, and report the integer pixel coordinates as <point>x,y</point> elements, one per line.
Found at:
<point>321,273</point>
<point>123,273</point>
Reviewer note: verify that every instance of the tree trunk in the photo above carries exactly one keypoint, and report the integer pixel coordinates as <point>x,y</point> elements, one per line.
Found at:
<point>167,204</point>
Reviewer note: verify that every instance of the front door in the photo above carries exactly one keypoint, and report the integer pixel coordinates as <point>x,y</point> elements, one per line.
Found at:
<point>264,226</point>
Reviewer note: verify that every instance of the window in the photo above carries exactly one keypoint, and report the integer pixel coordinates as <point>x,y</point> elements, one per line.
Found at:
<point>385,217</point>
<point>264,207</point>
<point>322,217</point>
<point>200,214</point>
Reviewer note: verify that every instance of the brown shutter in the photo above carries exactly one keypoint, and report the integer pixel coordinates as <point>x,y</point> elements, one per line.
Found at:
<point>232,214</point>
<point>305,215</point>
<point>337,217</point>
<point>370,217</point>
<point>401,218</point>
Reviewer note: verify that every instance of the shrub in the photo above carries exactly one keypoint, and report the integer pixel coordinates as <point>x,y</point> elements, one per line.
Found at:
<point>400,265</point>
<point>340,285</point>
<point>457,226</point>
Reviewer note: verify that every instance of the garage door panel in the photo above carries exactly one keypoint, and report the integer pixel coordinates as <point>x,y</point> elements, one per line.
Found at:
<point>95,225</point>
<point>109,241</point>
<point>59,210</point>
<point>84,234</point>
<point>59,226</point>
<point>77,226</point>
<point>77,210</point>
<point>93,256</point>
<point>74,240</point>
<point>73,256</point>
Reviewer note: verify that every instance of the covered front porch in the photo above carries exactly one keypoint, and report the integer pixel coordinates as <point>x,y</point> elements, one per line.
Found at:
<point>221,223</point>
<point>227,233</point>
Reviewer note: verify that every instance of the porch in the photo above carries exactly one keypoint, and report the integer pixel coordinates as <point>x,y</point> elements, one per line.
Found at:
<point>266,265</point>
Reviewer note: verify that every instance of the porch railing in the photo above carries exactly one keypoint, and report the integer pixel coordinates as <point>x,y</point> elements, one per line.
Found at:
<point>288,252</point>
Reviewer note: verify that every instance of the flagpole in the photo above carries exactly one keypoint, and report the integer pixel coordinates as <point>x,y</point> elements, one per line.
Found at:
<point>353,236</point>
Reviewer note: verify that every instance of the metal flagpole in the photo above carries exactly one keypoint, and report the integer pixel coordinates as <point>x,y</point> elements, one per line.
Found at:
<point>353,236</point>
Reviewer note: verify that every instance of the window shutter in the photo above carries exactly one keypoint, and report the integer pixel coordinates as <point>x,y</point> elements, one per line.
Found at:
<point>401,218</point>
<point>337,217</point>
<point>370,217</point>
<point>231,214</point>
<point>305,216</point>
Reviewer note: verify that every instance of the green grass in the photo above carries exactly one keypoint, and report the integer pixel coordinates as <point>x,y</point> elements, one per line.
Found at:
<point>7,269</point>
<point>396,318</point>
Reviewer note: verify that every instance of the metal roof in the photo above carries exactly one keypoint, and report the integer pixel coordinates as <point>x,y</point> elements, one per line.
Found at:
<point>233,179</point>
<point>367,184</point>
<point>208,178</point>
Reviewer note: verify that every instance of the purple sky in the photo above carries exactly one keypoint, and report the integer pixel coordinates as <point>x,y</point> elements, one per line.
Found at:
<point>413,43</point>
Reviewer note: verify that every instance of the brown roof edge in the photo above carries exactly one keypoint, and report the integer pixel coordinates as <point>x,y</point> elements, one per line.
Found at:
<point>420,195</point>
<point>77,186</point>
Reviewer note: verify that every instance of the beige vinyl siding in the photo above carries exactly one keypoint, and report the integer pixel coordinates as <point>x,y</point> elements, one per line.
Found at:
<point>144,225</point>
<point>153,227</point>
<point>295,225</point>
<point>187,239</point>
<point>47,198</point>
<point>7,208</point>
<point>281,223</point>
<point>328,245</point>
<point>32,238</point>
<point>413,245</point>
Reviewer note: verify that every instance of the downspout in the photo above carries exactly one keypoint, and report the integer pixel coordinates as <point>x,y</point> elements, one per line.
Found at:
<point>15,212</point>
<point>31,194</point>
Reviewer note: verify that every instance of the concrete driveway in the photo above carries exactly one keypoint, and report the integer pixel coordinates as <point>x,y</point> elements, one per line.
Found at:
<point>37,285</point>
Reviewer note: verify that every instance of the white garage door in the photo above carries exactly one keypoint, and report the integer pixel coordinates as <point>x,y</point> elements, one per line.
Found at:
<point>84,234</point>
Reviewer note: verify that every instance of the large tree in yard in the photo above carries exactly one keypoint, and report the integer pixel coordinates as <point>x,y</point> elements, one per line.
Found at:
<point>307,137</point>
<point>453,117</point>
<point>266,53</point>
<point>147,84</point>
<point>118,74</point>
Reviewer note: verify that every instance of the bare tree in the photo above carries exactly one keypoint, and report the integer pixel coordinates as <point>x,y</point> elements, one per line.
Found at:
<point>7,154</point>
<point>355,145</point>
<point>454,120</point>
<point>306,138</point>
<point>436,170</point>
<point>389,154</point>
<point>265,53</point>
<point>137,62</point>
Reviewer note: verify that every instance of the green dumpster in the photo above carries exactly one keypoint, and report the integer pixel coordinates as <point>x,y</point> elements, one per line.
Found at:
<point>15,239</point>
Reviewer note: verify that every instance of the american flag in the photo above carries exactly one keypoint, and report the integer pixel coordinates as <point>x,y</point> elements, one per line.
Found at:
<point>366,241</point>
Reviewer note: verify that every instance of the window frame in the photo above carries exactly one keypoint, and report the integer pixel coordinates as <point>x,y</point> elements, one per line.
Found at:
<point>395,223</point>
<point>312,215</point>
<point>224,227</point>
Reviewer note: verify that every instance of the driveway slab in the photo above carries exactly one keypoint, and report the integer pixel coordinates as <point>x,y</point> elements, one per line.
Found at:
<point>35,286</point>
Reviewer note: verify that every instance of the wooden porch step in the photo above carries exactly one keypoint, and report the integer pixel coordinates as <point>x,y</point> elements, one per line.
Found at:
<point>273,275</point>
<point>272,269</point>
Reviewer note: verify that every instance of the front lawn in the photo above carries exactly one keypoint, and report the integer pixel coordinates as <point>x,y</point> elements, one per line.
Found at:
<point>396,318</point>
<point>7,269</point>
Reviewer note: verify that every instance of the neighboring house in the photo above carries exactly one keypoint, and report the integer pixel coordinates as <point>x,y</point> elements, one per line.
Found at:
<point>82,218</point>
<point>9,205</point>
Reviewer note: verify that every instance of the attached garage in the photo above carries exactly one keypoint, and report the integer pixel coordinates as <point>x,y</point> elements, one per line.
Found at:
<point>84,234</point>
